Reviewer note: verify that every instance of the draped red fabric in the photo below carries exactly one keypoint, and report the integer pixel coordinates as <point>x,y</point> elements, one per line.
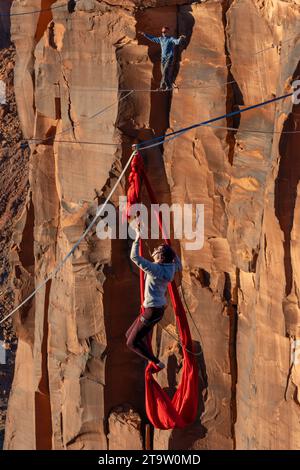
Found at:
<point>134,182</point>
<point>181,410</point>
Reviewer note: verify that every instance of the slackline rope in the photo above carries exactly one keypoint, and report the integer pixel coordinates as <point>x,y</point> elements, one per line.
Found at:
<point>55,271</point>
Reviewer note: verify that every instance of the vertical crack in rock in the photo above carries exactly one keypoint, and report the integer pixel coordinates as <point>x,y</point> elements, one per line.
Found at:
<point>69,102</point>
<point>159,120</point>
<point>63,73</point>
<point>24,271</point>
<point>234,95</point>
<point>233,99</point>
<point>26,253</point>
<point>286,185</point>
<point>232,311</point>
<point>180,21</point>
<point>43,423</point>
<point>51,36</point>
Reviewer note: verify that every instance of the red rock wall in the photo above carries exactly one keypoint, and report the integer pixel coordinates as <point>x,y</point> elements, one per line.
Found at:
<point>241,289</point>
<point>14,186</point>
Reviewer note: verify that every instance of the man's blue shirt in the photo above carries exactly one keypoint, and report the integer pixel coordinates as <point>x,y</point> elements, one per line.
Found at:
<point>167,44</point>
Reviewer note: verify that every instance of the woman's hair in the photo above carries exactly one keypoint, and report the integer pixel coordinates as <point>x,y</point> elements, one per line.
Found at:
<point>166,253</point>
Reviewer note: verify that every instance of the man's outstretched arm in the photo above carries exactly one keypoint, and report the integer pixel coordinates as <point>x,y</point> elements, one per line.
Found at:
<point>179,40</point>
<point>150,37</point>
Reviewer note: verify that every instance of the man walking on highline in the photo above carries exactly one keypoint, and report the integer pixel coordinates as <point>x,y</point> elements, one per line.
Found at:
<point>167,44</point>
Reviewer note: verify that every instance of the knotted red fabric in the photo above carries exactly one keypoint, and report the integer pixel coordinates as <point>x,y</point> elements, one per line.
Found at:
<point>162,411</point>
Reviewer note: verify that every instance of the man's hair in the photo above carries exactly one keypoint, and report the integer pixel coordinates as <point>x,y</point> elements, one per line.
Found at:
<point>165,27</point>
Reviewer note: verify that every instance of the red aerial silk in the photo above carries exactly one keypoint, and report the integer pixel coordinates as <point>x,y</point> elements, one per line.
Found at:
<point>162,411</point>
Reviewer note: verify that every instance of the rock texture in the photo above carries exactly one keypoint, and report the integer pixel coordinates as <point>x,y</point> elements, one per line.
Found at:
<point>124,429</point>
<point>241,290</point>
<point>14,186</point>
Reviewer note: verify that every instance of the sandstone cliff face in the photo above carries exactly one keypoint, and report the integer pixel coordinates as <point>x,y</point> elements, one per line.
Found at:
<point>75,385</point>
<point>13,189</point>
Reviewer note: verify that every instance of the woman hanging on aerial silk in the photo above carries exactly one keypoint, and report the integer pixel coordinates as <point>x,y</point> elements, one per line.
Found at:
<point>158,274</point>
